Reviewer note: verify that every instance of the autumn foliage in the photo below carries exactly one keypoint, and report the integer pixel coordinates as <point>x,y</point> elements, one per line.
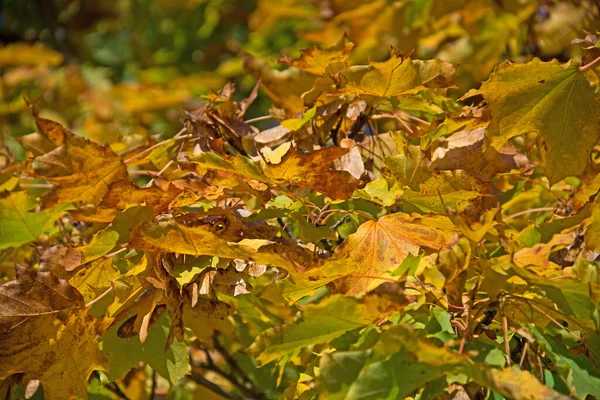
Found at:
<point>352,221</point>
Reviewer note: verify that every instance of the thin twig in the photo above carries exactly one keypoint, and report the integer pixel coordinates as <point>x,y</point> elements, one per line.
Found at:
<point>153,387</point>
<point>286,228</point>
<point>211,366</point>
<point>63,233</point>
<point>114,388</point>
<point>199,379</point>
<point>115,252</point>
<point>555,321</point>
<point>97,299</point>
<point>589,65</point>
<point>263,118</point>
<point>394,116</point>
<point>470,318</point>
<point>237,370</point>
<point>149,149</point>
<point>10,168</point>
<point>531,210</point>
<point>383,278</point>
<point>36,185</point>
<point>523,353</point>
<point>149,184</point>
<point>530,303</point>
<point>141,172</point>
<point>419,119</point>
<point>506,343</point>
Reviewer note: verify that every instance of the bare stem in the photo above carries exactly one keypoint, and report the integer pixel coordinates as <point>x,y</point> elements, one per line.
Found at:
<point>149,149</point>
<point>506,343</point>
<point>36,185</point>
<point>590,65</point>
<point>97,299</point>
<point>532,210</point>
<point>115,252</point>
<point>199,379</point>
<point>523,353</point>
<point>263,118</point>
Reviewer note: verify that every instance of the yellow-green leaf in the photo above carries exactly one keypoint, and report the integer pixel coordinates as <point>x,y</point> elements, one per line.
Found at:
<point>18,224</point>
<point>554,100</point>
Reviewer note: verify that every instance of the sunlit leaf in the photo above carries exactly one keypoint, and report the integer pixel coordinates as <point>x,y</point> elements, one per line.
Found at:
<point>556,101</point>
<point>311,169</point>
<point>382,79</point>
<point>81,168</point>
<point>18,224</point>
<point>321,323</point>
<point>380,246</point>
<point>317,60</point>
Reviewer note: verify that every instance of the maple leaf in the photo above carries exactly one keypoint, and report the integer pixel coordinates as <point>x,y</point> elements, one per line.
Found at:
<point>454,264</point>
<point>288,242</point>
<point>556,101</point>
<point>81,168</point>
<point>169,236</point>
<point>311,170</point>
<point>381,79</point>
<point>284,88</point>
<point>18,225</point>
<point>510,382</point>
<point>93,279</point>
<point>124,192</point>
<point>58,259</point>
<point>300,284</point>
<point>46,333</point>
<point>318,61</point>
<point>323,322</point>
<point>378,246</point>
<point>305,169</point>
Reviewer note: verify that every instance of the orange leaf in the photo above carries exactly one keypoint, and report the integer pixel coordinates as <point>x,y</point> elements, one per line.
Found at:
<point>378,246</point>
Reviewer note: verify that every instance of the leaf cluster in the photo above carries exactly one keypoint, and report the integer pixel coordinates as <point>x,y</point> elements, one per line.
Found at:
<point>392,235</point>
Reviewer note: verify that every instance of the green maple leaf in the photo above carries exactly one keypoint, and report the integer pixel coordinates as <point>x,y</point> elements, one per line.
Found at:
<point>18,225</point>
<point>552,99</point>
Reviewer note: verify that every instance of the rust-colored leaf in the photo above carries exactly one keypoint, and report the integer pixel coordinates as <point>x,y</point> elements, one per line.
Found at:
<point>312,170</point>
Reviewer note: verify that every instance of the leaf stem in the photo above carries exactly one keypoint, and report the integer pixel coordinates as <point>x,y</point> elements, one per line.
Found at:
<point>36,185</point>
<point>506,343</point>
<point>523,354</point>
<point>263,118</point>
<point>589,65</point>
<point>153,387</point>
<point>97,299</point>
<point>114,253</point>
<point>149,149</point>
<point>531,210</point>
<point>199,379</point>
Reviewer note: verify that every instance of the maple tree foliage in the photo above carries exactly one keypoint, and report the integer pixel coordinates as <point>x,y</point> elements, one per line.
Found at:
<point>352,221</point>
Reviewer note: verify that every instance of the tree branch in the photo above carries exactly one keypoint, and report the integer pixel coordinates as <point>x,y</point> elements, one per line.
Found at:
<point>199,379</point>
